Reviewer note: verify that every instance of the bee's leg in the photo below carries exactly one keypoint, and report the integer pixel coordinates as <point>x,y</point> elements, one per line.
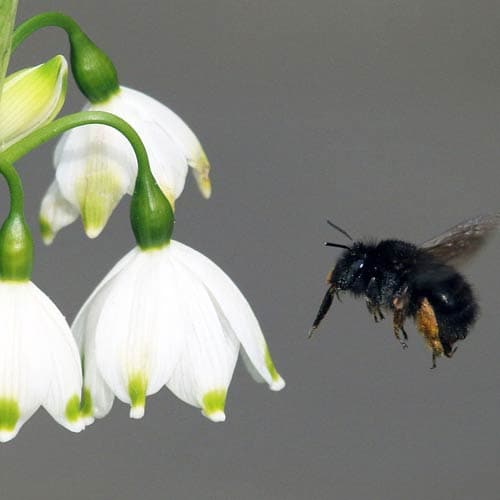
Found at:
<point>434,356</point>
<point>323,309</point>
<point>372,298</point>
<point>397,323</point>
<point>403,331</point>
<point>451,353</point>
<point>374,310</point>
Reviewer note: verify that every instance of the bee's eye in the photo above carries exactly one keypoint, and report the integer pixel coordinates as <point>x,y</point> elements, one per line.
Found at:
<point>358,264</point>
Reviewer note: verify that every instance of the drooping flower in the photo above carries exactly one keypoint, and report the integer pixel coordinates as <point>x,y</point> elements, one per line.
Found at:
<point>167,316</point>
<point>95,165</point>
<point>31,98</point>
<point>39,360</point>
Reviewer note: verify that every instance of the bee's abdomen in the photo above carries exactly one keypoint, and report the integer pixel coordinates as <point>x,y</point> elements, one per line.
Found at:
<point>455,308</point>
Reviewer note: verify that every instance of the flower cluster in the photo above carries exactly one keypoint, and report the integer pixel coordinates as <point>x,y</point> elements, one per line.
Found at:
<point>165,314</point>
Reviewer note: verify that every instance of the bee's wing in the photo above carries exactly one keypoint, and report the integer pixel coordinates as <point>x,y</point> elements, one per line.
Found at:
<point>462,241</point>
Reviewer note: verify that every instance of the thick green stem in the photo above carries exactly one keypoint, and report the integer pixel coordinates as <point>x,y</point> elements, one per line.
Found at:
<point>44,20</point>
<point>16,244</point>
<point>151,214</point>
<point>15,186</point>
<point>61,125</point>
<point>93,70</point>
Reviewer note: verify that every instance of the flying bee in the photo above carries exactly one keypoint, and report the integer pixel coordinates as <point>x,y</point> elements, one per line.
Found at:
<point>410,281</point>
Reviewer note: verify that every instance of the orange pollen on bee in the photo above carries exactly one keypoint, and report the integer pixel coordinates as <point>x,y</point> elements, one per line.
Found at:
<point>427,324</point>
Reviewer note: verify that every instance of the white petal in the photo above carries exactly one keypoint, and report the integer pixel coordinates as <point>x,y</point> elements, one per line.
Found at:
<point>140,331</point>
<point>235,308</point>
<point>96,167</point>
<point>167,159</point>
<point>55,213</point>
<point>63,363</point>
<point>97,396</point>
<point>24,371</point>
<point>206,366</point>
<point>180,133</point>
<point>168,165</point>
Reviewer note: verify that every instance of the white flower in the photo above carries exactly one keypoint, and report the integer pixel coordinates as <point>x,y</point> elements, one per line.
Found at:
<point>95,164</point>
<point>31,98</point>
<point>39,360</point>
<point>167,316</point>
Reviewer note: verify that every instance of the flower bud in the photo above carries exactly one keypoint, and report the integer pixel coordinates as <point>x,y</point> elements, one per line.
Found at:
<point>31,98</point>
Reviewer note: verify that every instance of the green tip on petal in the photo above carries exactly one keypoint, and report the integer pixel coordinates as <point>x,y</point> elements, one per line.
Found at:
<point>201,170</point>
<point>46,231</point>
<point>137,387</point>
<point>278,383</point>
<point>98,194</point>
<point>72,412</point>
<point>213,404</point>
<point>9,414</point>
<point>87,407</point>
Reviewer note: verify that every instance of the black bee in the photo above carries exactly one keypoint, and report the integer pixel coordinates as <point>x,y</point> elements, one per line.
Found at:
<point>419,282</point>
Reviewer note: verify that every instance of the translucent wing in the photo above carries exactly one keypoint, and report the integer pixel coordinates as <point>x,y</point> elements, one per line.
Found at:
<point>462,241</point>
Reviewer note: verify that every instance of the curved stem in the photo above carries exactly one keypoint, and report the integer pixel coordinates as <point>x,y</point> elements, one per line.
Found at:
<point>151,214</point>
<point>44,20</point>
<point>15,186</point>
<point>57,127</point>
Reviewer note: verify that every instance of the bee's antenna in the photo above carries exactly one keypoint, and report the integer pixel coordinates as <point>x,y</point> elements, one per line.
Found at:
<point>343,231</point>
<point>338,245</point>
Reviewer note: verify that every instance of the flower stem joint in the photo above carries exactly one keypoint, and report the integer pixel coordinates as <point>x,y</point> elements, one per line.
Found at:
<point>151,214</point>
<point>16,249</point>
<point>93,70</point>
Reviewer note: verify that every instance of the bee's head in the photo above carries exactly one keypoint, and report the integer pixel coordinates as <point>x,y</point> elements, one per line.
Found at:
<point>349,271</point>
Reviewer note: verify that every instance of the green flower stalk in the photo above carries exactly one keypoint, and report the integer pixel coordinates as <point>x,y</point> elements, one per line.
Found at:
<point>151,214</point>
<point>95,166</point>
<point>93,70</point>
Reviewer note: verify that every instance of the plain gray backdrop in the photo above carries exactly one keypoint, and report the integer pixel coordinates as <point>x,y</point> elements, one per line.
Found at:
<point>381,115</point>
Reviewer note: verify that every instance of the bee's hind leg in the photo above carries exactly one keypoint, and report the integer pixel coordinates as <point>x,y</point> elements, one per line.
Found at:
<point>434,357</point>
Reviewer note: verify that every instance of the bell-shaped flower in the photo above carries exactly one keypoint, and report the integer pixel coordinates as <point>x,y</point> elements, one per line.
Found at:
<point>39,360</point>
<point>95,165</point>
<point>31,97</point>
<point>167,316</point>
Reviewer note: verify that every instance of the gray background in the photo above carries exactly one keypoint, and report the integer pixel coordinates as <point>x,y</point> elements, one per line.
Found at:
<point>383,116</point>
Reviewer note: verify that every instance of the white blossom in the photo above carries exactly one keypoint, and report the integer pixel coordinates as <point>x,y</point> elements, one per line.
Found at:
<point>171,317</point>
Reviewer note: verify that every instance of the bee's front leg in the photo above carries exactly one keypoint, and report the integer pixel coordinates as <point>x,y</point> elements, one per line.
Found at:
<point>372,298</point>
<point>374,310</point>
